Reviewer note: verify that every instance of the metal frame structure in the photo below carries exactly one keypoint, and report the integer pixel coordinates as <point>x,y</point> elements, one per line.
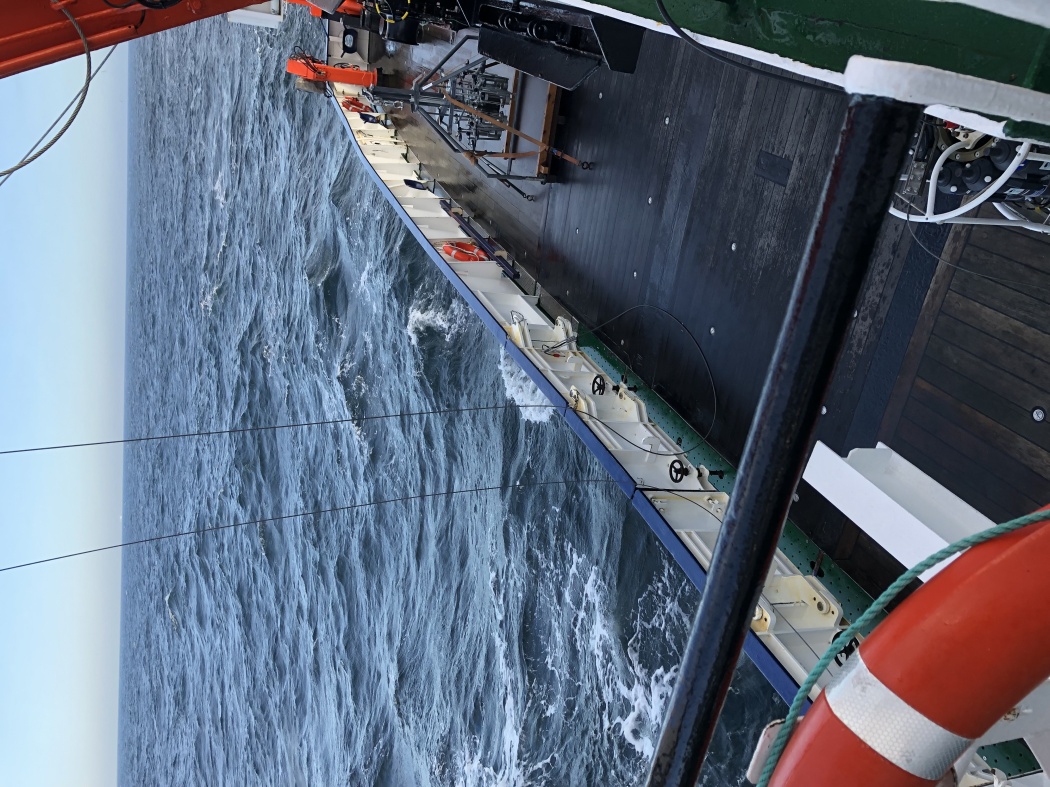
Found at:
<point>1011,218</point>
<point>425,99</point>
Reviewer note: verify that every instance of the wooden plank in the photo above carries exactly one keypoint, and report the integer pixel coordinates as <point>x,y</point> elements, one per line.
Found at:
<point>1016,432</point>
<point>995,351</point>
<point>1020,245</point>
<point>509,140</point>
<point>1008,272</point>
<point>1009,388</point>
<point>1001,298</point>
<point>1003,327</point>
<point>949,422</point>
<point>985,428</point>
<point>550,116</point>
<point>935,296</point>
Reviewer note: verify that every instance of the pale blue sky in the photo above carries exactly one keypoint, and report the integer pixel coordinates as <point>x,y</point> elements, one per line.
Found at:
<point>62,262</point>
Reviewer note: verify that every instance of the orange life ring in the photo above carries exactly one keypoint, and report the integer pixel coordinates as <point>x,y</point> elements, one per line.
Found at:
<point>944,667</point>
<point>355,106</point>
<point>462,251</point>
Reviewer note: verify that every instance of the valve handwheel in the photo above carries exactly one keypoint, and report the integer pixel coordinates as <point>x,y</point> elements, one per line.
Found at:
<point>598,385</point>
<point>677,470</point>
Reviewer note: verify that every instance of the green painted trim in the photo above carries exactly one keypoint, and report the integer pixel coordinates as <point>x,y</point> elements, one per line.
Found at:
<point>799,549</point>
<point>826,34</point>
<point>1018,129</point>
<point>1013,758</point>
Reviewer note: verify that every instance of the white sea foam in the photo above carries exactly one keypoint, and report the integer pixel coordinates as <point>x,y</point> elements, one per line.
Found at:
<point>208,298</point>
<point>523,391</point>
<point>171,615</point>
<point>219,190</point>
<point>445,322</point>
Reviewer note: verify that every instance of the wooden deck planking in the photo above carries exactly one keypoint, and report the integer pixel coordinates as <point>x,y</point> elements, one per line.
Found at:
<point>699,171</point>
<point>977,370</point>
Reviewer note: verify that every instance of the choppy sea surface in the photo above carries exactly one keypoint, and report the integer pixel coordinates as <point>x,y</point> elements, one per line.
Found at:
<point>525,636</point>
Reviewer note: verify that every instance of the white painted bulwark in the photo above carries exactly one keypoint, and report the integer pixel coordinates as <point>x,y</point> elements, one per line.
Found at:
<point>926,85</point>
<point>266,14</point>
<point>908,513</point>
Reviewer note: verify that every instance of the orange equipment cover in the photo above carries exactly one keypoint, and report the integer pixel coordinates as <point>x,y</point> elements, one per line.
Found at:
<point>34,33</point>
<point>318,71</point>
<point>350,7</point>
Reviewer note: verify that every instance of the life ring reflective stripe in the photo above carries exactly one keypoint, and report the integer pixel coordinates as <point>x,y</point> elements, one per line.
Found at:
<point>461,251</point>
<point>944,667</point>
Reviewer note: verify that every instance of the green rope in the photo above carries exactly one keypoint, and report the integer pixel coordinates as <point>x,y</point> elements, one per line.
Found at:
<point>788,727</point>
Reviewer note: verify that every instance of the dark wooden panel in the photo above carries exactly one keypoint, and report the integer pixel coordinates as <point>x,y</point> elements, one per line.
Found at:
<point>996,352</point>
<point>775,169</point>
<point>1005,328</point>
<point>1008,272</point>
<point>948,421</point>
<point>1027,247</point>
<point>1007,387</point>
<point>993,419</point>
<point>674,189</point>
<point>935,296</point>
<point>1000,298</point>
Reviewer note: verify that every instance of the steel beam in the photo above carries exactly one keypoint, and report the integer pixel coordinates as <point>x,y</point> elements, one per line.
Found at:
<point>871,147</point>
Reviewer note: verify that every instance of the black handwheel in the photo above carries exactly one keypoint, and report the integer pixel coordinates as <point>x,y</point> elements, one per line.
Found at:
<point>598,385</point>
<point>677,470</point>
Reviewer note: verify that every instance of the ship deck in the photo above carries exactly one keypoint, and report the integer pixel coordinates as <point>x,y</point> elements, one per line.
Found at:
<point>705,183</point>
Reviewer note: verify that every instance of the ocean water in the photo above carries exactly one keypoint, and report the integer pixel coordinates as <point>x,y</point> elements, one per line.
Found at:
<point>527,636</point>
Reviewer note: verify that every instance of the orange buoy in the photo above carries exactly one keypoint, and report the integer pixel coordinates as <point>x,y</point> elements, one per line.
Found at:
<point>946,665</point>
<point>462,251</point>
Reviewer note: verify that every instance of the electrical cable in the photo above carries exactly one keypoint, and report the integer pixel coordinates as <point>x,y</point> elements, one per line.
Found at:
<point>939,258</point>
<point>318,512</point>
<point>869,616</point>
<point>743,66</point>
<point>62,114</point>
<point>80,104</point>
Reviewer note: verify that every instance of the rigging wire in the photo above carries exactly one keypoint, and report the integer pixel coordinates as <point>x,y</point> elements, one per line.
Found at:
<point>62,114</point>
<point>714,55</point>
<point>335,422</point>
<point>286,517</point>
<point>247,429</point>
<point>30,158</point>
